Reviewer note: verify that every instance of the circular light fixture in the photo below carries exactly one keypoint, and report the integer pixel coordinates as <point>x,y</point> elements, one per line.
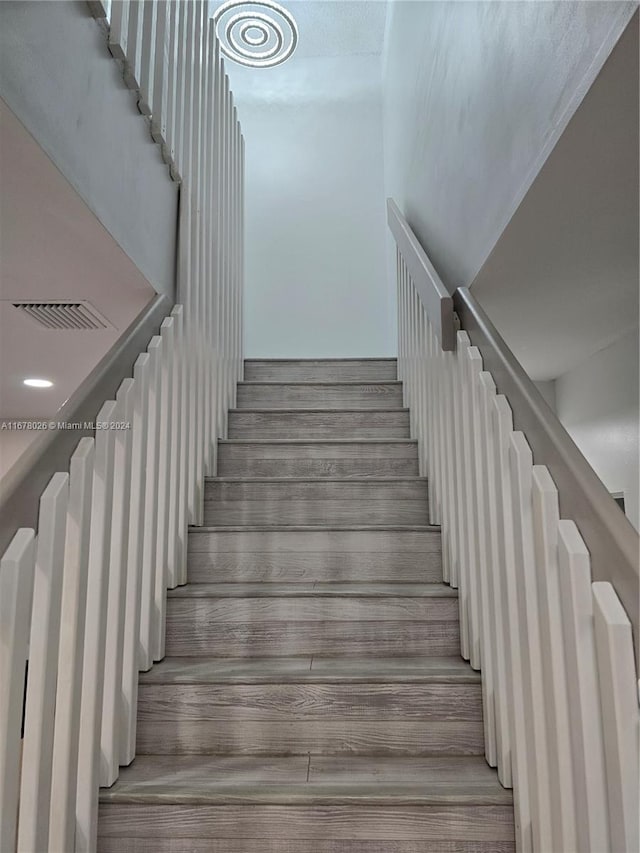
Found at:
<point>259,35</point>
<point>38,383</point>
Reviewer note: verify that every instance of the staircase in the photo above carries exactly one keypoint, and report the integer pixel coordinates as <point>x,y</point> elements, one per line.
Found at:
<point>313,698</point>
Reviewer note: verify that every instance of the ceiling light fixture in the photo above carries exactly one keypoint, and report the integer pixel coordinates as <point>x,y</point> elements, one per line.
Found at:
<point>38,383</point>
<point>259,35</point>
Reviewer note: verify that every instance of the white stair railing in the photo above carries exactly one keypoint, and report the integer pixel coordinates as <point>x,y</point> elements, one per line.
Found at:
<point>555,647</point>
<point>83,600</point>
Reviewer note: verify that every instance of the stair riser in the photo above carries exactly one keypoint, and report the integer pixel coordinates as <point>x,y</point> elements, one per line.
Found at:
<point>304,566</point>
<point>318,460</point>
<point>223,513</point>
<point>283,845</point>
<point>367,370</point>
<point>191,634</point>
<point>315,502</point>
<point>310,396</point>
<point>318,425</point>
<point>312,737</point>
<point>303,556</point>
<point>484,824</point>
<point>308,702</point>
<point>273,491</point>
<point>209,612</point>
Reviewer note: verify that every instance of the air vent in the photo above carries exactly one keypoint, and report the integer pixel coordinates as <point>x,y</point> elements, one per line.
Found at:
<point>63,315</point>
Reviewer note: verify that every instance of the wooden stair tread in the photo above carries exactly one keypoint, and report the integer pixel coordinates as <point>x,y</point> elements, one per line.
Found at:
<point>315,590</point>
<point>321,705</point>
<point>321,481</point>
<point>311,669</point>
<point>348,382</point>
<point>329,441</point>
<point>284,410</point>
<point>273,528</point>
<point>322,359</point>
<point>313,780</point>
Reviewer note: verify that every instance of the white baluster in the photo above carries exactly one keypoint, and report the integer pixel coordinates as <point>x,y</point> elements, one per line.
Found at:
<point>176,534</point>
<point>403,320</point>
<point>240,286</point>
<point>469,557</point>
<point>164,462</point>
<point>116,600</point>
<point>495,623</point>
<point>131,656</point>
<point>160,81</point>
<point>185,260</point>
<point>619,704</point>
<point>182,479</point>
<point>17,569</point>
<point>197,270</point>
<point>233,248</point>
<point>450,528</point>
<point>437,423</point>
<point>209,155</point>
<point>62,813</point>
<point>582,680</point>
<point>147,56</point>
<point>168,148</point>
<point>131,71</point>
<point>242,238</point>
<point>119,28</point>
<point>411,343</point>
<point>100,8</point>
<point>95,632</point>
<point>44,639</point>
<point>558,712</point>
<point>521,464</point>
<point>423,369</point>
<point>177,111</point>
<point>483,555</point>
<point>429,443</point>
<point>503,428</point>
<point>218,128</point>
<point>400,363</point>
<point>150,534</point>
<point>462,527</point>
<point>445,484</point>
<point>225,249</point>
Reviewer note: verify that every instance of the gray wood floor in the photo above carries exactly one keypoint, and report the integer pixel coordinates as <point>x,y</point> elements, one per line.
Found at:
<point>313,699</point>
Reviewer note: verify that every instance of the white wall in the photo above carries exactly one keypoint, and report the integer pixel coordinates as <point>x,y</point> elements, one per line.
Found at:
<point>315,204</point>
<point>476,94</point>
<point>548,391</point>
<point>59,78</point>
<point>315,274</point>
<point>598,404</point>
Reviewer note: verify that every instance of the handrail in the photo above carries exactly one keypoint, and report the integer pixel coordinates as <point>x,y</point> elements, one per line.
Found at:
<point>611,538</point>
<point>435,297</point>
<point>542,597</point>
<point>24,482</point>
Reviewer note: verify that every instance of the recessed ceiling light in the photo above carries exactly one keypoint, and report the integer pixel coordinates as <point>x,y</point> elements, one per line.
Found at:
<point>38,383</point>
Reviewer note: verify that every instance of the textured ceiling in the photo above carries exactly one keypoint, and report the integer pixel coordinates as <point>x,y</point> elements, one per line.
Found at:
<point>339,54</point>
<point>338,27</point>
<point>334,27</point>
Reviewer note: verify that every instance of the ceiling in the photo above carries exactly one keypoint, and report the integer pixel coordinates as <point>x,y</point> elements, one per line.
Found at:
<point>53,247</point>
<point>339,53</point>
<point>562,280</point>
